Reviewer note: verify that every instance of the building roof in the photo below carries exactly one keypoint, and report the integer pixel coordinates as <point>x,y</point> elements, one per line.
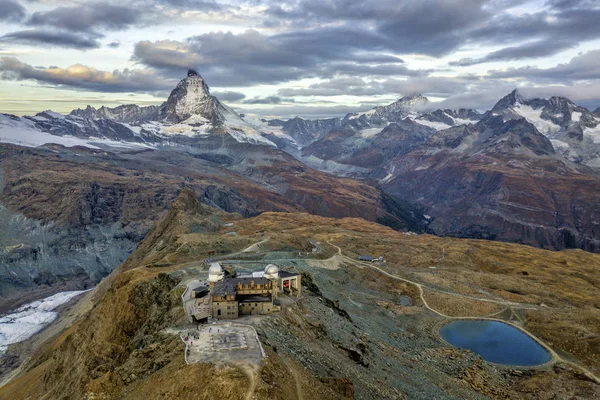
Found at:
<point>227,286</point>
<point>287,274</point>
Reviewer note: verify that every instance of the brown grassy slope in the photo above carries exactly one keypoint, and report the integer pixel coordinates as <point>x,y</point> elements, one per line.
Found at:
<point>118,351</point>
<point>566,281</point>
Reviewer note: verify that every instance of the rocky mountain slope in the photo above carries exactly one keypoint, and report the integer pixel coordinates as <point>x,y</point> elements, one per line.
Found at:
<point>523,171</point>
<point>94,194</point>
<point>347,337</point>
<point>502,181</point>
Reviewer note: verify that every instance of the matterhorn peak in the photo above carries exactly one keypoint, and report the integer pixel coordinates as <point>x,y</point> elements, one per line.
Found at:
<point>191,97</point>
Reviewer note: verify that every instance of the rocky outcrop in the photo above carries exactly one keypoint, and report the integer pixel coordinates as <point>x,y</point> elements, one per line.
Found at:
<point>191,97</point>
<point>128,113</point>
<point>307,131</point>
<point>347,146</point>
<point>500,181</point>
<point>383,115</point>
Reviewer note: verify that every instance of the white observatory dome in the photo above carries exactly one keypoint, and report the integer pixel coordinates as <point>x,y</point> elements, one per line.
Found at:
<point>271,271</point>
<point>215,272</point>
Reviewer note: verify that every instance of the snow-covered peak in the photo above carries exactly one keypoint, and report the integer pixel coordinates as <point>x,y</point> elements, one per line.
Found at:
<point>416,101</point>
<point>190,97</point>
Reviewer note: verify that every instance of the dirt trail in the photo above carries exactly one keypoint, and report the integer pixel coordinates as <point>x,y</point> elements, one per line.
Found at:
<point>555,357</point>
<point>297,380</point>
<point>251,371</point>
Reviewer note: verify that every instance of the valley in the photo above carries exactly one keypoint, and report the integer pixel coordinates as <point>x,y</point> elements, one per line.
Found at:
<point>348,335</point>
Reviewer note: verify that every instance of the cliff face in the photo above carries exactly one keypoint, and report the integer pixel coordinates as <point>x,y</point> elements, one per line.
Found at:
<point>501,181</point>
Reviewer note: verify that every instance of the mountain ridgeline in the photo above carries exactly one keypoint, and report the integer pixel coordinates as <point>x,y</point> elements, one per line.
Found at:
<point>79,192</point>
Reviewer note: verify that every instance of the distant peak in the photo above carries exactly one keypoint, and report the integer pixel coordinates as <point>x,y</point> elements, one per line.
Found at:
<point>413,97</point>
<point>516,97</point>
<point>413,101</point>
<point>192,72</point>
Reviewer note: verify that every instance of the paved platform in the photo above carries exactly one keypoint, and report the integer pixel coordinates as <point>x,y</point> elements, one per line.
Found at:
<point>224,342</point>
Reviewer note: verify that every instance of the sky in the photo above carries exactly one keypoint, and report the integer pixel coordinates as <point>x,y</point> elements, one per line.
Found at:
<point>282,58</point>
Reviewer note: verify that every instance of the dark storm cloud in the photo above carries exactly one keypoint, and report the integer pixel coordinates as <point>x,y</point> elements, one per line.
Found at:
<point>11,10</point>
<point>52,38</point>
<point>525,51</point>
<point>88,17</point>
<point>433,27</point>
<point>576,25</point>
<point>84,77</point>
<point>572,4</point>
<point>249,58</point>
<point>229,96</point>
<point>438,27</point>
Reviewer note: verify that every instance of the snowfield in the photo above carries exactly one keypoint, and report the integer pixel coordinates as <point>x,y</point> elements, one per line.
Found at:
<point>24,133</point>
<point>31,318</point>
<point>535,118</point>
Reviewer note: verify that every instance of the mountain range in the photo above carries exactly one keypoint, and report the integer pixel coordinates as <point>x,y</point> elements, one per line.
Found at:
<point>131,199</point>
<point>525,171</point>
<point>81,190</point>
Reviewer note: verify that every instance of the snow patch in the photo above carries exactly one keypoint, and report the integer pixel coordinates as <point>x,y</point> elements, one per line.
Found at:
<point>31,318</point>
<point>534,117</point>
<point>559,145</point>
<point>24,133</point>
<point>387,178</point>
<point>593,133</point>
<point>186,130</point>
<point>196,119</point>
<point>369,132</point>
<point>433,124</point>
<point>575,116</point>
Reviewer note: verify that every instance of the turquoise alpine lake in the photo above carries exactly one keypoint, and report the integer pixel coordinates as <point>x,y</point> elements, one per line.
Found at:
<point>495,342</point>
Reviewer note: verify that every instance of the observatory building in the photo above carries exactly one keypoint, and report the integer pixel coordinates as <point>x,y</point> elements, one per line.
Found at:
<point>227,297</point>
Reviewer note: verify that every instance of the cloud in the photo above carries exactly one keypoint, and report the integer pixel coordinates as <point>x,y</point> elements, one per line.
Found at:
<point>251,57</point>
<point>193,4</point>
<point>537,49</point>
<point>11,11</point>
<point>228,96</point>
<point>486,95</point>
<point>165,54</point>
<point>582,67</point>
<point>431,86</point>
<point>88,17</point>
<point>290,111</point>
<point>433,27</point>
<point>268,100</point>
<point>84,77</point>
<point>52,38</point>
<point>114,45</point>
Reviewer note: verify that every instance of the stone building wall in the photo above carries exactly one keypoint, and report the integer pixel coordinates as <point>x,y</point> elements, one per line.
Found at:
<point>225,309</point>
<point>254,308</point>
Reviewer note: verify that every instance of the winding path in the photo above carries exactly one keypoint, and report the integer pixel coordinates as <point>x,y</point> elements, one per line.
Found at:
<point>555,357</point>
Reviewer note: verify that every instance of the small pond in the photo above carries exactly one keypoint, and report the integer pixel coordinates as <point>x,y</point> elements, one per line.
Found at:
<point>495,342</point>
<point>405,301</point>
